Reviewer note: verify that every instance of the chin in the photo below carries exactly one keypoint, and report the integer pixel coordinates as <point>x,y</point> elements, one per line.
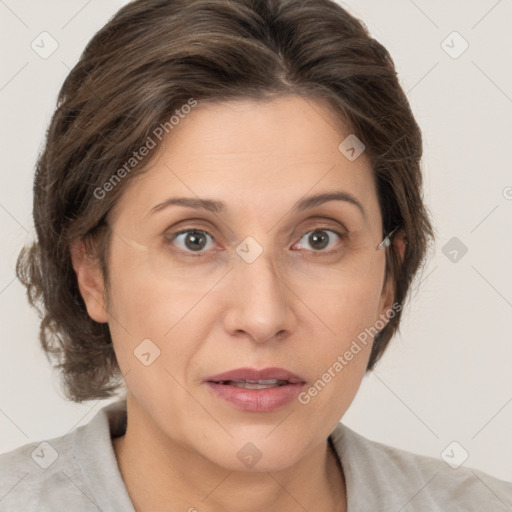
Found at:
<point>258,453</point>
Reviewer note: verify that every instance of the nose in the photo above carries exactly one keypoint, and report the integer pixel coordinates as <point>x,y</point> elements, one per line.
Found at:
<point>260,302</point>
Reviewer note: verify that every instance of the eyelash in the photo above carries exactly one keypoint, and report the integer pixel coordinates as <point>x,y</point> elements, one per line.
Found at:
<point>173,236</point>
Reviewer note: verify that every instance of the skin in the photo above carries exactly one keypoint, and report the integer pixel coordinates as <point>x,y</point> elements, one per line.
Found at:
<point>212,314</point>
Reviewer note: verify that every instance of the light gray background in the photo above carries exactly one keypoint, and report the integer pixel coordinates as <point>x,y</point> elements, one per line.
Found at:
<point>447,375</point>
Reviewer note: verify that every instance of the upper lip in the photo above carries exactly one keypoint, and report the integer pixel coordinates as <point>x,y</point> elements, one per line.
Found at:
<point>253,374</point>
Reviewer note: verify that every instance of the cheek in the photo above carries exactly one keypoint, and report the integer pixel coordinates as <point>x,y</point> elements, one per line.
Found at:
<point>345,311</point>
<point>341,347</point>
<point>156,335</point>
<point>143,301</point>
<point>158,330</point>
<point>143,312</point>
<point>150,314</point>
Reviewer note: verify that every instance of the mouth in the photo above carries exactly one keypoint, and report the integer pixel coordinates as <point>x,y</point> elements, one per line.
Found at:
<point>256,390</point>
<point>266,377</point>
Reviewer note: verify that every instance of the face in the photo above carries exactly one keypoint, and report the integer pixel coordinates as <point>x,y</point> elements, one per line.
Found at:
<point>247,281</point>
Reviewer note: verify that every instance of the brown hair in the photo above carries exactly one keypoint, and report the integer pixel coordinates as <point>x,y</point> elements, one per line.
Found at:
<point>148,61</point>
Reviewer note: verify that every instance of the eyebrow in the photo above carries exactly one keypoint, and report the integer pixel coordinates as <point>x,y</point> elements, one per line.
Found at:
<point>215,206</point>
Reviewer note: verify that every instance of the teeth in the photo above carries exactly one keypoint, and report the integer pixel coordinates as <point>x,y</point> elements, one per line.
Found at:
<point>257,384</point>
<point>269,381</point>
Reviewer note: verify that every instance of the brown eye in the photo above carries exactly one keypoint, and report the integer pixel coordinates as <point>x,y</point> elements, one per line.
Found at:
<point>319,239</point>
<point>191,240</point>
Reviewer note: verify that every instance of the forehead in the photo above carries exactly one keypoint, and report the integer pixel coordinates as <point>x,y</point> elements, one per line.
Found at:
<point>251,154</point>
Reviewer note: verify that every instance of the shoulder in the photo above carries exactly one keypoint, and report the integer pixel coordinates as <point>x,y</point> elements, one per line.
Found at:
<point>63,473</point>
<point>388,478</point>
<point>31,475</point>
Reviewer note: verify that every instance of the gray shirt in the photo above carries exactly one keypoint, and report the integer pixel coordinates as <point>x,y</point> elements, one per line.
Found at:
<point>78,472</point>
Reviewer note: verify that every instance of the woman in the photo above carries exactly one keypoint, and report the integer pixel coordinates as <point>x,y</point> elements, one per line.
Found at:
<point>229,216</point>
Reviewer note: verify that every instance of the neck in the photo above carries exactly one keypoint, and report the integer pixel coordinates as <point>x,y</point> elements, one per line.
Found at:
<point>161,474</point>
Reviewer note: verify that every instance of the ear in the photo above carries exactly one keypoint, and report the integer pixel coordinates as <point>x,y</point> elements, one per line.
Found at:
<point>90,281</point>
<point>398,242</point>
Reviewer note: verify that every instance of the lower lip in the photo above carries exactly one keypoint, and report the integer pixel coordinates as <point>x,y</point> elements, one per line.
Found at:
<point>256,400</point>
